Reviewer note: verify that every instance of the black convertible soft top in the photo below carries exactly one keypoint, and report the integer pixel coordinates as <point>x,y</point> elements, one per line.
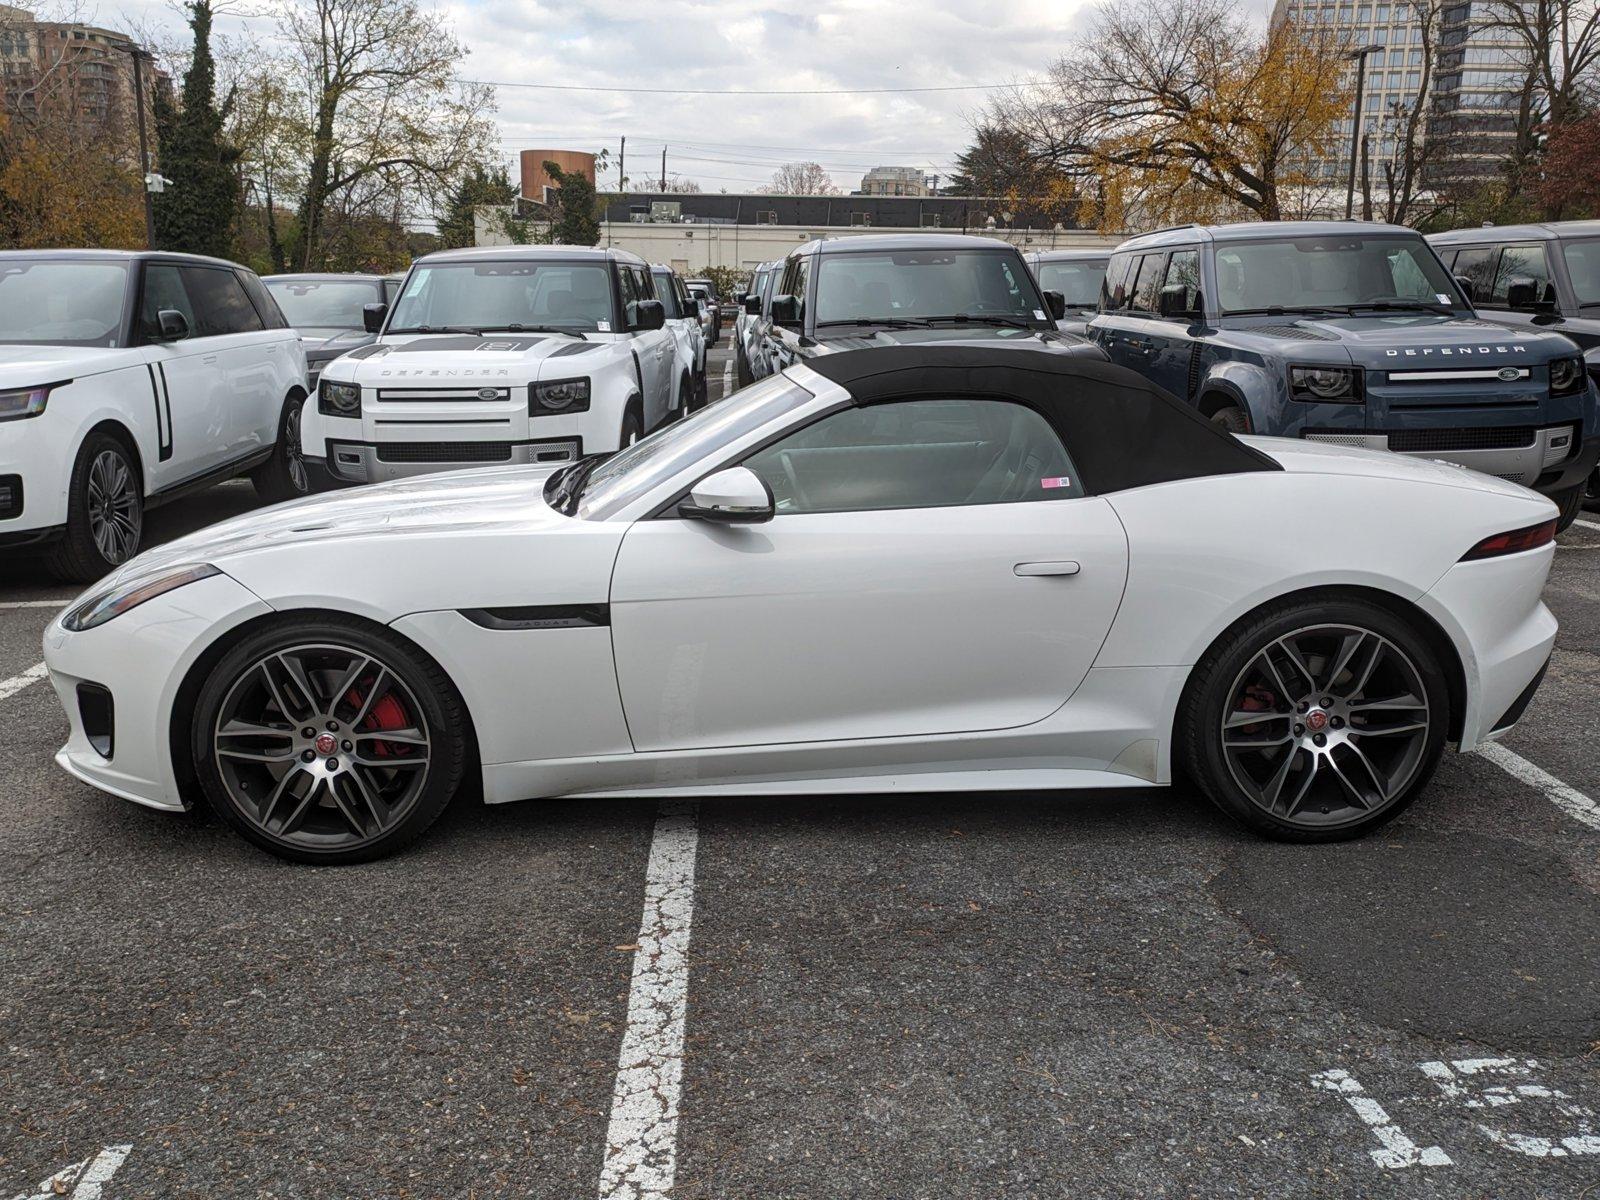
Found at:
<point>1121,430</point>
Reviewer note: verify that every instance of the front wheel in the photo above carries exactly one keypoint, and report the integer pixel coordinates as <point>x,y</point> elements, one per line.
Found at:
<point>284,475</point>
<point>328,741</point>
<point>1232,418</point>
<point>1591,491</point>
<point>105,512</point>
<point>1570,502</point>
<point>1315,721</point>
<point>630,432</point>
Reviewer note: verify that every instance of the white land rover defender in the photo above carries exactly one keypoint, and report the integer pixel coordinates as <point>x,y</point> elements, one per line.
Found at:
<point>504,354</point>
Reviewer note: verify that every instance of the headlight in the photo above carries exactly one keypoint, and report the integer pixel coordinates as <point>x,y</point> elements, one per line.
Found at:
<point>560,395</point>
<point>1326,385</point>
<point>1566,376</point>
<point>130,593</point>
<point>29,402</point>
<point>336,399</point>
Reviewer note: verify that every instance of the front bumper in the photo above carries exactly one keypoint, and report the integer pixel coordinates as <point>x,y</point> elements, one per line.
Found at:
<point>378,462</point>
<point>35,461</point>
<point>140,659</point>
<point>1549,458</point>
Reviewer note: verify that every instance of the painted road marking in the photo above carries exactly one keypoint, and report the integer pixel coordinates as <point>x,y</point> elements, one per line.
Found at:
<point>727,377</point>
<point>91,1175</point>
<point>1398,1151</point>
<point>1509,1082</point>
<point>10,687</point>
<point>642,1139</point>
<point>1594,525</point>
<point>35,603</point>
<point>1565,797</point>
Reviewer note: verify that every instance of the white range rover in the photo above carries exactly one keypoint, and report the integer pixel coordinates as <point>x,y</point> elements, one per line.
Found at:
<point>128,379</point>
<point>505,354</point>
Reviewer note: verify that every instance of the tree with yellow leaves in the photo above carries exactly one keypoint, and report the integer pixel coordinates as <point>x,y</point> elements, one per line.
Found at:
<point>1177,110</point>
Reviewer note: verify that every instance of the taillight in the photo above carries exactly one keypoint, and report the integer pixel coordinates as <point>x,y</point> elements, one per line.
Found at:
<point>1513,542</point>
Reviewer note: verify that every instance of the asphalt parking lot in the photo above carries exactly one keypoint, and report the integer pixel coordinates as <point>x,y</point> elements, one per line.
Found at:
<point>877,997</point>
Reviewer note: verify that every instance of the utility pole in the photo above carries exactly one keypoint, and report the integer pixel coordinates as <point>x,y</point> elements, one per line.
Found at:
<point>663,168</point>
<point>1360,58</point>
<point>622,167</point>
<point>144,146</point>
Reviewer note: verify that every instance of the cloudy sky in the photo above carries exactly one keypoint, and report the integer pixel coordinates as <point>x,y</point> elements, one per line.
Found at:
<point>734,143</point>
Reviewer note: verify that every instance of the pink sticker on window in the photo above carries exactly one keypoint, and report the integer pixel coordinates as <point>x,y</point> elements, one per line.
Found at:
<point>1055,481</point>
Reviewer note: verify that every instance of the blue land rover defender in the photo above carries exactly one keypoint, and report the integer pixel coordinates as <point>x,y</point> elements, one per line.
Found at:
<point>1351,333</point>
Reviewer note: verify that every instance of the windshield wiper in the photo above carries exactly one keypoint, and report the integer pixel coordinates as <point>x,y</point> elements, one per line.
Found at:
<point>1401,306</point>
<point>886,322</point>
<point>1281,310</point>
<point>562,489</point>
<point>514,327</point>
<point>439,329</point>
<point>988,319</point>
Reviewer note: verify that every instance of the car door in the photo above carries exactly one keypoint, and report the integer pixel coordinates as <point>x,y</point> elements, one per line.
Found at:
<point>1170,344</point>
<point>1112,328</point>
<point>654,348</point>
<point>932,568</point>
<point>785,339</point>
<point>1517,263</point>
<point>245,348</point>
<point>188,376</point>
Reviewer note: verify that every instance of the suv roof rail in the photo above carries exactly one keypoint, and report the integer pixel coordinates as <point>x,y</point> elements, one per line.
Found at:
<point>1166,229</point>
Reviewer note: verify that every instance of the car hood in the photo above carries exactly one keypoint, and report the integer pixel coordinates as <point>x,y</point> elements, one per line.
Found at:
<point>1400,340</point>
<point>960,335</point>
<point>1326,458</point>
<point>335,343</point>
<point>29,366</point>
<point>451,504</point>
<point>466,358</point>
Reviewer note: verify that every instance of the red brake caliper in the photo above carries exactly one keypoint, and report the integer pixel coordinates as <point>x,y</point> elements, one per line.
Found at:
<point>387,713</point>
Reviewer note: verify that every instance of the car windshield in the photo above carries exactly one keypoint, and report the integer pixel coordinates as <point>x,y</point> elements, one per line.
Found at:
<point>1335,271</point>
<point>628,474</point>
<point>504,295</point>
<point>60,302</point>
<point>1583,264</point>
<point>324,304</point>
<point>1079,281</point>
<point>892,286</point>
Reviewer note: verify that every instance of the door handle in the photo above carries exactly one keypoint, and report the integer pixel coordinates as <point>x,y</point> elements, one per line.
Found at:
<point>210,358</point>
<point>1045,568</point>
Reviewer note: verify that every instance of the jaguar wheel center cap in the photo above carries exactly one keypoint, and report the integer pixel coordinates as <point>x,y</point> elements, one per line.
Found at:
<point>1316,721</point>
<point>326,744</point>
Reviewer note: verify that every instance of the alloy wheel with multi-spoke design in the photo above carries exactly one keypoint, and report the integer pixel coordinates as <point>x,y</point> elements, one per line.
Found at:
<point>294,453</point>
<point>321,746</point>
<point>1327,725</point>
<point>115,512</point>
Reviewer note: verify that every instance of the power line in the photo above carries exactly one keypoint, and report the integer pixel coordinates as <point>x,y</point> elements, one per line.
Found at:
<point>658,91</point>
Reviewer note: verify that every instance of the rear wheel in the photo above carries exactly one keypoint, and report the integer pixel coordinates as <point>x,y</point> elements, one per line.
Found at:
<point>328,741</point>
<point>742,366</point>
<point>1315,721</point>
<point>630,430</point>
<point>284,475</point>
<point>105,511</point>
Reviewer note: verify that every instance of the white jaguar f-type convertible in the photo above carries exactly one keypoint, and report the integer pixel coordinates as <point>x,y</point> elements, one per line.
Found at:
<point>900,569</point>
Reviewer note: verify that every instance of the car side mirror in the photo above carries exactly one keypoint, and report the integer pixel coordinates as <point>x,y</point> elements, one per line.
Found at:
<point>372,316</point>
<point>752,305</point>
<point>784,310</point>
<point>735,496</point>
<point>1057,304</point>
<point>174,326</point>
<point>645,315</point>
<point>1174,301</point>
<point>1468,288</point>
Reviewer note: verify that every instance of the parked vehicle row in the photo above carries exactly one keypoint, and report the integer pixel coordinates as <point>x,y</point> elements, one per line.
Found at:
<point>328,311</point>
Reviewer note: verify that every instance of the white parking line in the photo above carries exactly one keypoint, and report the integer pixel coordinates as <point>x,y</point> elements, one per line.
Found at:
<point>727,378</point>
<point>1568,799</point>
<point>642,1139</point>
<point>10,687</point>
<point>34,603</point>
<point>1594,525</point>
<point>91,1176</point>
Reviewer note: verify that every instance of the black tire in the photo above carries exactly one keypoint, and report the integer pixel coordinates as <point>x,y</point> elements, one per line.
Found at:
<point>1232,418</point>
<point>1591,491</point>
<point>325,832</point>
<point>632,430</point>
<point>742,367</point>
<point>284,475</point>
<point>701,394</point>
<point>1570,502</point>
<point>104,526</point>
<point>1319,807</point>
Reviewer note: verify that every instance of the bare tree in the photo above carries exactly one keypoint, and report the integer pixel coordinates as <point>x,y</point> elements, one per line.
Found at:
<point>801,179</point>
<point>1179,109</point>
